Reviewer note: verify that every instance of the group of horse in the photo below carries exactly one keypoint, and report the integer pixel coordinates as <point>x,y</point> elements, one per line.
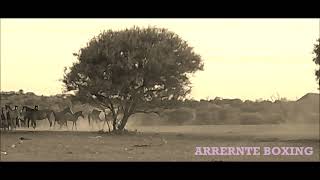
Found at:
<point>12,118</point>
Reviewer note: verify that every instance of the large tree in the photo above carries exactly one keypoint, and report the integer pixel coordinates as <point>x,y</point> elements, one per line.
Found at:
<point>316,59</point>
<point>127,71</point>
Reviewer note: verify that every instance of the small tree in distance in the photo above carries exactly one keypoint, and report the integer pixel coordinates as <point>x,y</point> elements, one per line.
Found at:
<point>128,71</point>
<point>20,91</point>
<point>316,59</point>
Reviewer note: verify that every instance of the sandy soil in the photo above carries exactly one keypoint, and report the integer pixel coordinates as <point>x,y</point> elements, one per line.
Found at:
<point>157,143</point>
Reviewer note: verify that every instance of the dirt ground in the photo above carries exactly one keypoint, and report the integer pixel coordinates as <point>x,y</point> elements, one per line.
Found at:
<point>156,144</point>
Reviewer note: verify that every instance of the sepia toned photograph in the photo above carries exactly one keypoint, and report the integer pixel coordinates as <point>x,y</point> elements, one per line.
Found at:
<point>150,89</point>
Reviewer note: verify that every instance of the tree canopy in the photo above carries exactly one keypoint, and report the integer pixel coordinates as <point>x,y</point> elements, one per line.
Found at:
<point>124,70</point>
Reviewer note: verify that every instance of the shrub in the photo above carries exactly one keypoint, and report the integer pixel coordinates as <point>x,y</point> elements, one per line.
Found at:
<point>312,118</point>
<point>274,118</point>
<point>204,117</point>
<point>251,118</point>
<point>179,116</point>
<point>303,117</point>
<point>228,115</point>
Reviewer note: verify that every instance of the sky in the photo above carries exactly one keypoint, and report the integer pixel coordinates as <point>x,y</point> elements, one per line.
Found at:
<point>243,58</point>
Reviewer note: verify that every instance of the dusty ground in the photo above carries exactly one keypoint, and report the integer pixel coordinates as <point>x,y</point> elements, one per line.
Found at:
<point>158,144</point>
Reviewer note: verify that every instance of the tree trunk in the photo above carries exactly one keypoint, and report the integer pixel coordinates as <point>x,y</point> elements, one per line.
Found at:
<point>123,123</point>
<point>114,124</point>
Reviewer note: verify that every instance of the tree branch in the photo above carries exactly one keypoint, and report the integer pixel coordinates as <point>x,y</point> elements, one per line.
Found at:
<point>133,106</point>
<point>129,109</point>
<point>98,103</point>
<point>146,112</point>
<point>155,90</point>
<point>112,108</point>
<point>121,105</point>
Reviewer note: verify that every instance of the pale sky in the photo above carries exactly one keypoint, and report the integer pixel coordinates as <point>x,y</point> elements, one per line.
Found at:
<point>243,58</point>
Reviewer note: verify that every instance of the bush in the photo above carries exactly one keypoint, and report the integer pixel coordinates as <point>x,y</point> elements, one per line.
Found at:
<point>255,107</point>
<point>179,116</point>
<point>274,118</point>
<point>228,115</point>
<point>303,117</point>
<point>251,118</point>
<point>142,119</point>
<point>312,118</point>
<point>203,117</point>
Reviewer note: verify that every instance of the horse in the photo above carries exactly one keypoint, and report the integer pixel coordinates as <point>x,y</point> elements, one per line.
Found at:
<point>74,117</point>
<point>26,115</point>
<point>3,120</point>
<point>12,116</point>
<point>94,116</point>
<point>35,114</point>
<point>61,116</point>
<point>21,119</point>
<point>18,117</point>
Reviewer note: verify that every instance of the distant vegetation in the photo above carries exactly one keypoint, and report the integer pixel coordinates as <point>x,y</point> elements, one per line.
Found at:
<point>316,60</point>
<point>193,112</point>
